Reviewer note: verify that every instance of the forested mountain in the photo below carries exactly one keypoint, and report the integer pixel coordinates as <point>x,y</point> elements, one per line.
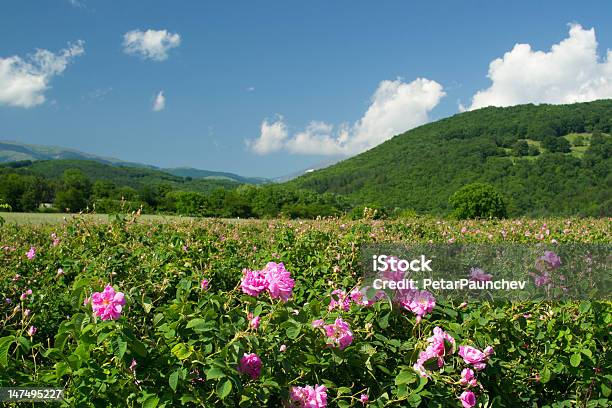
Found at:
<point>546,159</point>
<point>14,151</point>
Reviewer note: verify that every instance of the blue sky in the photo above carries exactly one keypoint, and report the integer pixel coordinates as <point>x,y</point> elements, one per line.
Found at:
<point>304,82</point>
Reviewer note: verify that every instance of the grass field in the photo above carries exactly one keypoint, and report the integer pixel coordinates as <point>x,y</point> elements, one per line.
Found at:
<point>51,218</point>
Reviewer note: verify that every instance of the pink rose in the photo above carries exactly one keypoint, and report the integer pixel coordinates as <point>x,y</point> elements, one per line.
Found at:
<point>468,378</point>
<point>474,356</point>
<point>253,282</point>
<point>339,333</point>
<point>309,397</point>
<point>250,364</point>
<point>468,399</point>
<point>280,284</point>
<point>107,304</point>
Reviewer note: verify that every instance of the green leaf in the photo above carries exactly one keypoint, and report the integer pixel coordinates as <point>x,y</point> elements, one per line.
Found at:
<point>181,351</point>
<point>214,373</point>
<point>575,360</point>
<point>545,376</point>
<point>224,388</point>
<point>383,323</point>
<point>605,390</point>
<point>196,324</point>
<point>5,344</point>
<point>150,402</point>
<point>293,331</point>
<point>173,380</point>
<point>121,346</point>
<point>405,377</point>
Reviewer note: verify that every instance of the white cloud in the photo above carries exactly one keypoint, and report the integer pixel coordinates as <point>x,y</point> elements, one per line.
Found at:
<point>160,102</point>
<point>396,107</point>
<point>23,81</point>
<point>570,72</point>
<point>272,137</point>
<point>150,44</point>
<point>77,3</point>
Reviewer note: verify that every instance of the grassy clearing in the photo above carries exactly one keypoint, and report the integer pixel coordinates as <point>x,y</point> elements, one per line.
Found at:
<point>51,218</point>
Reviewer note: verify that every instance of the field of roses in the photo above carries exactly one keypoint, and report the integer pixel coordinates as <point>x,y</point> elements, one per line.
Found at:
<point>273,313</point>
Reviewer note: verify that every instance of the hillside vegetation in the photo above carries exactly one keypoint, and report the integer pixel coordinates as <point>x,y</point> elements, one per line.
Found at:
<point>546,160</point>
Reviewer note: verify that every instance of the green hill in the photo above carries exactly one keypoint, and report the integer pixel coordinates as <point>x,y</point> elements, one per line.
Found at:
<point>135,177</point>
<point>546,159</point>
<point>11,151</point>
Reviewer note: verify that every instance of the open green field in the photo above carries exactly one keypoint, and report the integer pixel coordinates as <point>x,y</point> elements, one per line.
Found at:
<point>57,218</point>
<point>137,312</point>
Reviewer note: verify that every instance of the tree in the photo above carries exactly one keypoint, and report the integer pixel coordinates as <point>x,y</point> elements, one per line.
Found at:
<point>478,200</point>
<point>520,148</point>
<point>74,192</point>
<point>556,144</point>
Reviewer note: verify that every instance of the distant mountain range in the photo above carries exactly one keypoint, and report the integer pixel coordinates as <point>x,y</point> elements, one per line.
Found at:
<point>11,151</point>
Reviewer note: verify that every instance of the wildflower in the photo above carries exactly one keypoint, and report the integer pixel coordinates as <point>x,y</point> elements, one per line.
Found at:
<point>60,272</point>
<point>339,333</point>
<point>31,254</point>
<point>280,284</point>
<point>26,312</point>
<point>318,323</point>
<point>133,365</point>
<point>32,331</point>
<point>419,302</point>
<point>25,294</point>
<point>283,348</point>
<point>549,259</point>
<point>475,357</point>
<point>341,300</point>
<point>364,398</point>
<point>55,239</point>
<point>468,378</point>
<point>477,274</point>
<point>309,397</point>
<point>204,284</point>
<point>253,320</point>
<point>253,282</point>
<point>107,304</point>
<point>541,280</point>
<point>442,340</point>
<point>250,364</point>
<point>468,399</point>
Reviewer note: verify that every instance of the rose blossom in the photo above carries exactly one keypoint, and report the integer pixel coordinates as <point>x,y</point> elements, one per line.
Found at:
<point>468,399</point>
<point>253,282</point>
<point>468,378</point>
<point>419,302</point>
<point>341,300</point>
<point>339,333</point>
<point>31,254</point>
<point>549,259</point>
<point>475,357</point>
<point>253,320</point>
<point>477,274</point>
<point>280,284</point>
<point>250,364</point>
<point>318,323</point>
<point>309,397</point>
<point>107,304</point>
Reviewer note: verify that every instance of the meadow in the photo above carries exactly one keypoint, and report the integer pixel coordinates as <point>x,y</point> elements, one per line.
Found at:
<point>131,311</point>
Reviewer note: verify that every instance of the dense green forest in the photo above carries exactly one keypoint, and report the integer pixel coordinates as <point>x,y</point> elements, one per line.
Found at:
<point>545,159</point>
<point>78,185</point>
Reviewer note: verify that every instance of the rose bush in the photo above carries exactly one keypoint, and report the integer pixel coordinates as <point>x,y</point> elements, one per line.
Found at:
<point>271,313</point>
